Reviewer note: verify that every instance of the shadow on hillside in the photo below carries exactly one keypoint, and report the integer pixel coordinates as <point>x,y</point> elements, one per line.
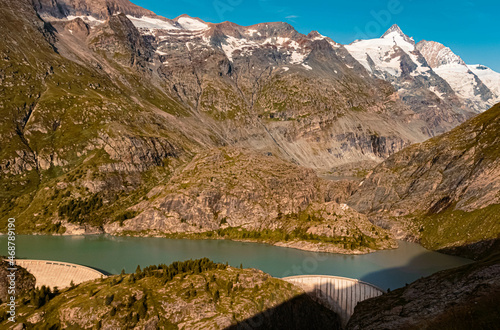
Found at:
<point>300,312</point>
<point>396,277</point>
<point>406,274</point>
<point>475,251</point>
<point>99,270</point>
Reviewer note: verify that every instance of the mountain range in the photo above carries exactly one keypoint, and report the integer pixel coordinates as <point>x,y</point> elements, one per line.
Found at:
<point>107,107</point>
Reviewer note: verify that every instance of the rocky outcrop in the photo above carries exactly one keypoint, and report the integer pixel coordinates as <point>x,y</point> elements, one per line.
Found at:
<point>460,298</point>
<point>234,188</point>
<point>122,41</point>
<point>446,188</point>
<point>24,281</point>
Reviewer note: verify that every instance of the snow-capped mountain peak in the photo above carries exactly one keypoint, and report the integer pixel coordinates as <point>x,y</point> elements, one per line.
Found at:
<point>382,56</point>
<point>489,77</point>
<point>190,23</point>
<point>438,54</point>
<point>464,81</point>
<point>394,28</point>
<point>397,35</point>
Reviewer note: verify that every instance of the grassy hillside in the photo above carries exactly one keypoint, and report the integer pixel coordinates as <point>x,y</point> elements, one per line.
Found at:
<point>193,294</point>
<point>445,191</point>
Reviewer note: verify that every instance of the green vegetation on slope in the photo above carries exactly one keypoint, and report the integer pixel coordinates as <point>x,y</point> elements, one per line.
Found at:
<point>190,294</point>
<point>444,191</point>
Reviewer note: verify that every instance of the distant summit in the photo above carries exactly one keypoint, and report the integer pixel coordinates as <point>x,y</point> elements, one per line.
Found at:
<point>448,65</point>
<point>438,54</point>
<point>97,9</point>
<point>394,31</point>
<point>394,28</point>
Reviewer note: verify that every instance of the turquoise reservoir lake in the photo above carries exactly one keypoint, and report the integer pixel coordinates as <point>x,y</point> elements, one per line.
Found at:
<point>386,269</point>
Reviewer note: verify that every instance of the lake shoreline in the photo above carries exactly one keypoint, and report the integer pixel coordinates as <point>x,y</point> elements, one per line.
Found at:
<point>384,268</point>
<point>302,245</point>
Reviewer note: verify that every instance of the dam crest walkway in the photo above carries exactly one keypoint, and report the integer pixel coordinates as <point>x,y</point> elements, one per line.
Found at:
<point>57,273</point>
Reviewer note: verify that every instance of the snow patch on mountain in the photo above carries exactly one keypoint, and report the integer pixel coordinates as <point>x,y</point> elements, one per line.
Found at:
<point>189,23</point>
<point>150,23</point>
<point>489,77</point>
<point>307,66</point>
<point>435,91</point>
<point>247,46</point>
<point>87,19</point>
<point>297,57</point>
<point>453,69</point>
<point>381,52</point>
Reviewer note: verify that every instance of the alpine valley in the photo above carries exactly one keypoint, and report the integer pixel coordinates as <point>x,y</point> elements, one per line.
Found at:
<point>117,120</point>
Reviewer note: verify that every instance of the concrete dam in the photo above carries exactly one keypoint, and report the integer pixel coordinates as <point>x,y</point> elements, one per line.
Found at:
<point>56,273</point>
<point>340,294</point>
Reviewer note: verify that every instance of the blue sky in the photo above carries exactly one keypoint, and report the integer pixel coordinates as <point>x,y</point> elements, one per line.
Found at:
<point>469,28</point>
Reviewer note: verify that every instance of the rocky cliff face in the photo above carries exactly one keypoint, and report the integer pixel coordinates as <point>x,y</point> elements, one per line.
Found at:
<point>119,38</point>
<point>445,190</point>
<point>461,298</point>
<point>24,281</point>
<point>232,188</point>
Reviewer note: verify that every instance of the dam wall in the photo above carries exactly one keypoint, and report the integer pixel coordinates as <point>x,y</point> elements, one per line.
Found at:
<point>340,294</point>
<point>56,273</point>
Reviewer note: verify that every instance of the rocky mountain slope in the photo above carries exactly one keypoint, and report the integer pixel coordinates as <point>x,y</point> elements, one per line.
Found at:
<point>453,69</point>
<point>98,116</point>
<point>80,124</point>
<point>444,191</point>
<point>196,294</point>
<point>99,10</point>
<point>462,298</point>
<point>104,104</point>
<point>245,79</point>
<point>260,86</point>
<point>395,58</point>
<point>238,194</point>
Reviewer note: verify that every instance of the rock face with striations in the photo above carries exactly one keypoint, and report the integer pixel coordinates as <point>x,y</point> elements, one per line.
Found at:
<point>233,188</point>
<point>444,191</point>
